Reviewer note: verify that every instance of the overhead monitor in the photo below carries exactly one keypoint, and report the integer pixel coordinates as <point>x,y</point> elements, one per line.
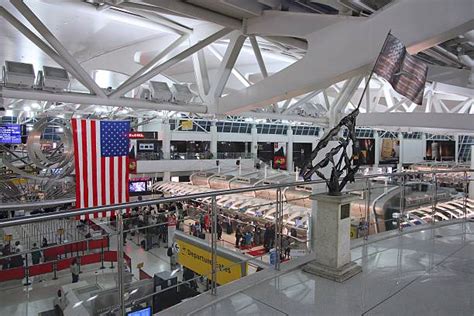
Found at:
<point>10,133</point>
<point>141,312</point>
<point>137,186</point>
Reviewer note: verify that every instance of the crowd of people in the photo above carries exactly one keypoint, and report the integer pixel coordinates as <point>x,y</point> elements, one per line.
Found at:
<point>248,234</point>
<point>13,255</point>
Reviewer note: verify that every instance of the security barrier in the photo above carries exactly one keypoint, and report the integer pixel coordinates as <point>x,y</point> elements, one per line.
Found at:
<point>54,266</point>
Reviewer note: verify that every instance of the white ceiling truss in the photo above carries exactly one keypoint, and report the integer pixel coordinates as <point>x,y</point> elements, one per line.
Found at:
<point>253,67</point>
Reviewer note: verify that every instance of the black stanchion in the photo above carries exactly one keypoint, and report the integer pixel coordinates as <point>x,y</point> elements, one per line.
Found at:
<point>55,269</point>
<point>102,257</point>
<point>27,271</point>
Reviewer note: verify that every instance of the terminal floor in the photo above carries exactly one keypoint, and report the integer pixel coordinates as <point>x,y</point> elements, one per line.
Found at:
<point>17,299</point>
<point>427,272</point>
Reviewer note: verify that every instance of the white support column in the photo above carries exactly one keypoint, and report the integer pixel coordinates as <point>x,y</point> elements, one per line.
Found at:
<point>400,152</point>
<point>456,148</point>
<point>423,140</point>
<point>289,148</point>
<point>377,148</point>
<point>166,139</point>
<point>254,145</point>
<point>167,176</point>
<point>214,140</point>
<point>471,183</point>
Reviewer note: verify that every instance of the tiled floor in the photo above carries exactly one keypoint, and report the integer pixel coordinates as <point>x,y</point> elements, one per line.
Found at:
<point>428,272</point>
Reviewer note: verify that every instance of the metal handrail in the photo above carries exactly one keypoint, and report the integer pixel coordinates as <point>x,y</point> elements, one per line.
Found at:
<point>84,211</point>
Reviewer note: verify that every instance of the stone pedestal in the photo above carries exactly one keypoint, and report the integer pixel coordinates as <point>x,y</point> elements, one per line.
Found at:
<point>331,238</point>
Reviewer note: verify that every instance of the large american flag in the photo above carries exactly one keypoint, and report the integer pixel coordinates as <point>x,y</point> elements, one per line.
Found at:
<point>101,160</point>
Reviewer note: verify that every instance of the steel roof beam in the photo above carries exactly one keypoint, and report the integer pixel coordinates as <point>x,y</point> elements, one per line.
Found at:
<point>82,98</point>
<point>348,48</point>
<point>196,12</point>
<point>124,88</point>
<point>53,41</point>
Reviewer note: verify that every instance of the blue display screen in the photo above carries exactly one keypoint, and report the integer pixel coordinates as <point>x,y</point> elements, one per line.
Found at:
<point>10,133</point>
<point>141,312</point>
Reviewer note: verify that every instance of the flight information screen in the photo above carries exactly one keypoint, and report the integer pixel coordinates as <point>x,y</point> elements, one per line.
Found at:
<point>10,133</point>
<point>141,312</point>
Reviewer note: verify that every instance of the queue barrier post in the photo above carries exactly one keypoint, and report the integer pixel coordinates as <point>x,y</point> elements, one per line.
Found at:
<point>55,269</point>
<point>27,271</point>
<point>102,258</point>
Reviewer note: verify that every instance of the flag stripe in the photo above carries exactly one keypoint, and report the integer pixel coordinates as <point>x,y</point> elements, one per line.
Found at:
<point>90,175</point>
<point>93,163</point>
<point>119,182</point>
<point>105,200</point>
<point>76,151</point>
<point>99,168</point>
<point>112,179</point>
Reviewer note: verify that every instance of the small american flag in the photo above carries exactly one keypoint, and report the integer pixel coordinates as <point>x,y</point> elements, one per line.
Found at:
<point>405,73</point>
<point>101,160</point>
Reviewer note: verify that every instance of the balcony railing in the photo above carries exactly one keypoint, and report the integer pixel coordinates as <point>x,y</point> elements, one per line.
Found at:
<point>193,156</point>
<point>202,219</point>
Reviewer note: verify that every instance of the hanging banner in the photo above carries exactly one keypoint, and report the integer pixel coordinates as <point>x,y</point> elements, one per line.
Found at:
<point>279,156</point>
<point>390,151</point>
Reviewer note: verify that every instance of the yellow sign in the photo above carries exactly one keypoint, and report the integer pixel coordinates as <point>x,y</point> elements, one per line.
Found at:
<point>7,237</point>
<point>199,260</point>
<point>18,181</point>
<point>353,232</point>
<point>186,125</point>
<point>140,265</point>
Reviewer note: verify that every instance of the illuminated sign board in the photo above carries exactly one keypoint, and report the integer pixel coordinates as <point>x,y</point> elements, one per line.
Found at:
<point>136,135</point>
<point>10,133</point>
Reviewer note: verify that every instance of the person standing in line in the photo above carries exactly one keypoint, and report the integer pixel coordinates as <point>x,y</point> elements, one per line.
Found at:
<point>17,260</point>
<point>219,230</point>
<point>45,243</point>
<point>74,270</point>
<point>285,246</point>
<point>238,236</point>
<point>18,246</point>
<point>35,254</point>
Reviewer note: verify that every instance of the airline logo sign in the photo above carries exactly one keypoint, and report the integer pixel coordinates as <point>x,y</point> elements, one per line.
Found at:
<point>136,135</point>
<point>199,260</point>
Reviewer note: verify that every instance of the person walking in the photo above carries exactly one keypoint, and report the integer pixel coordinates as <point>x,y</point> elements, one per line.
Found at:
<point>74,270</point>
<point>35,254</point>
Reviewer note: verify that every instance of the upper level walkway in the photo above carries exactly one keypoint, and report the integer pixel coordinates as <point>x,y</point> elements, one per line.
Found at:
<point>429,271</point>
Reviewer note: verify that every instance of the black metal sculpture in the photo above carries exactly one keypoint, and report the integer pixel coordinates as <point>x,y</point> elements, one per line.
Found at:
<point>346,164</point>
<point>407,75</point>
